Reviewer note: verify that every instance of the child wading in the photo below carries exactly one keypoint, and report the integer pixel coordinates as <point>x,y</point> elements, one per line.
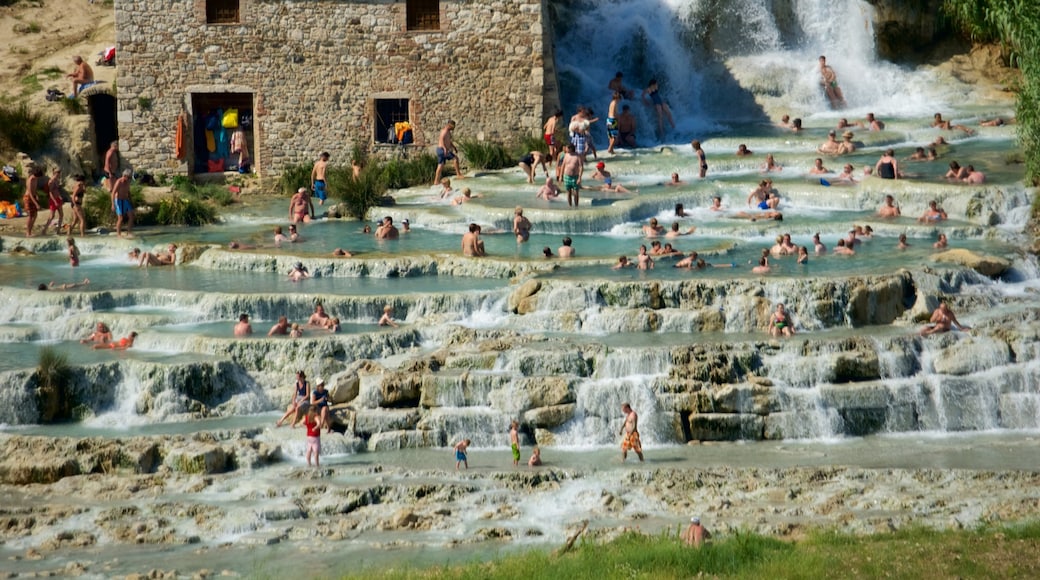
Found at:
<point>313,436</point>
<point>514,441</point>
<point>460,454</point>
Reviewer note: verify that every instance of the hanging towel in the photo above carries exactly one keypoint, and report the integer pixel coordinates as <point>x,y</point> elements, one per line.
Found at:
<point>180,150</point>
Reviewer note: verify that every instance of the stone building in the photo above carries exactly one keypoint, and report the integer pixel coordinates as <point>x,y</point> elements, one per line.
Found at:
<point>306,76</point>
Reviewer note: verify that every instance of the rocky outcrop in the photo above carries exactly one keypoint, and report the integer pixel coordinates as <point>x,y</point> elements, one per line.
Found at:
<point>991,266</point>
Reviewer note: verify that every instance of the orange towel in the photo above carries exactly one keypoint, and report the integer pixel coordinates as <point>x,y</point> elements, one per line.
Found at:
<point>180,150</point>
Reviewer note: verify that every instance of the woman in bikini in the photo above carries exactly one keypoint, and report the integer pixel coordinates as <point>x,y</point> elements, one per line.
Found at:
<point>780,323</point>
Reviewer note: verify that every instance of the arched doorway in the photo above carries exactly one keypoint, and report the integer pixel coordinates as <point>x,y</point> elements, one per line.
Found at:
<point>102,109</point>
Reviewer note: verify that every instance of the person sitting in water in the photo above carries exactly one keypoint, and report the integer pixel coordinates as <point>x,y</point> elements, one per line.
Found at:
<point>762,267</point>
<point>341,253</point>
<point>655,248</point>
<point>943,320</point>
<point>743,151</point>
<point>902,242</point>
<point>843,249</point>
<point>831,145</point>
<point>934,213</point>
<point>787,247</point>
<point>974,175</point>
<point>167,258</point>
<point>388,317</point>
<point>847,145</point>
<point>888,208</point>
<point>122,344</point>
<point>796,125</point>
<point>280,328</point>
<point>549,191</point>
<point>242,327</point>
<point>759,195</point>
<point>653,229</point>
<point>536,457</point>
<point>846,175</point>
<point>279,237</point>
<point>680,211</point>
<point>785,122</point>
<point>669,250</point>
<point>566,250</point>
<point>803,255</point>
<point>472,245</point>
<point>956,172</point>
<point>818,168</point>
<point>919,154</point>
<point>466,196</point>
<point>716,204</point>
<point>939,123</point>
<point>319,317</point>
<point>995,122</point>
<point>941,243</point>
<point>874,124</point>
<point>298,272</point>
<point>674,232</point>
<point>294,235</point>
<point>887,167</point>
<point>387,230</point>
<point>296,331</point>
<point>608,180</point>
<point>780,323</point>
<point>622,263</point>
<point>102,335</point>
<point>818,248</point>
<point>844,123</point>
<point>771,164</point>
<point>332,325</point>
<point>675,181</point>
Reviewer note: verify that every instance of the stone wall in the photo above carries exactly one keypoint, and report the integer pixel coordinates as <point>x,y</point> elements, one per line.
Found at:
<point>314,68</point>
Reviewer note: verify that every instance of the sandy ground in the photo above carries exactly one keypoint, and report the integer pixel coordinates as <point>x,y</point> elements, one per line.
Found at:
<point>66,28</point>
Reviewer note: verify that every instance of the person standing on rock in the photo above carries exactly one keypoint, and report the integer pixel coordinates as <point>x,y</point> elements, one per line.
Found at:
<point>446,151</point>
<point>318,178</point>
<point>313,426</point>
<point>514,441</point>
<point>630,433</point>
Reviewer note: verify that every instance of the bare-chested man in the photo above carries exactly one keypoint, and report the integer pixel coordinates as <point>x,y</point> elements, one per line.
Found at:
<point>549,131</point>
<point>829,80</point>
<point>318,178</point>
<point>112,165</point>
<point>121,203</point>
<point>387,230</point>
<point>573,167</point>
<point>612,121</point>
<point>81,75</point>
<point>696,534</point>
<point>943,320</point>
<point>300,206</point>
<point>630,433</point>
<point>446,151</point>
<point>626,128</point>
<point>617,85</point>
<point>31,200</point>
<point>889,209</point>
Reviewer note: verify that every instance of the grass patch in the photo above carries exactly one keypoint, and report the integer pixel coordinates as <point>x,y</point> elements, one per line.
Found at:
<point>294,177</point>
<point>911,553</point>
<point>73,106</point>
<point>486,155</point>
<point>178,210</point>
<point>402,173</point>
<point>23,129</point>
<point>51,72</point>
<point>31,84</point>
<point>359,195</point>
<point>52,378</point>
<point>97,208</point>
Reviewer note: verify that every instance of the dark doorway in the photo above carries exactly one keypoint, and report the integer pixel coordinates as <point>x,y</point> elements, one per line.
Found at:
<point>214,127</point>
<point>102,110</point>
<point>389,112</point>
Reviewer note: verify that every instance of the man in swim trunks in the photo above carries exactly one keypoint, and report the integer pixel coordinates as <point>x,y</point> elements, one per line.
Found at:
<point>612,123</point>
<point>829,80</point>
<point>111,166</point>
<point>81,75</point>
<point>889,209</point>
<point>550,134</point>
<point>446,151</point>
<point>626,128</point>
<point>318,178</point>
<point>121,203</point>
<point>573,167</point>
<point>300,206</point>
<point>630,433</point>
<point>31,200</point>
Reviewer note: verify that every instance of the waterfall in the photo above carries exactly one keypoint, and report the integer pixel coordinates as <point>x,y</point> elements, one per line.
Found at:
<point>737,59</point>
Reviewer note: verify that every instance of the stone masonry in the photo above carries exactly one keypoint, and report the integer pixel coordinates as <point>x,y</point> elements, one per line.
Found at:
<point>314,68</point>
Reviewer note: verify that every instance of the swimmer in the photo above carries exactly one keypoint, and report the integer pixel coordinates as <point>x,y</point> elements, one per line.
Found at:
<point>467,195</point>
<point>785,122</point>
<point>341,253</point>
<point>846,146</point>
<point>889,209</point>
<point>608,180</point>
<point>743,151</point>
<point>803,255</point>
<point>831,146</point>
<point>622,262</point>
<point>796,125</point>
<point>939,123</point>
<point>919,154</point>
<point>762,267</point>
<point>995,122</point>
<point>65,286</point>
<point>280,328</point>
<point>974,175</point>
<point>874,124</point>
<point>547,252</point>
<point>842,249</point>
<point>716,204</point>
<point>771,164</point>
<point>295,331</point>
<point>846,174</point>
<point>675,181</point>
<point>242,327</point>
<point>388,317</point>
<point>294,236</point>
<point>942,243</point>
<point>934,213</point>
<point>102,335</point>
<point>279,237</point>
<point>549,191</point>
<point>843,123</point>
<point>298,272</point>
<point>818,248</point>
<point>643,260</point>
<point>122,344</point>
<point>446,190</point>
<point>653,229</point>
<point>902,242</point>
<point>688,262</point>
<point>818,168</point>
<point>766,215</point>
<point>680,211</point>
<point>674,232</point>
<point>566,250</point>
<point>956,172</point>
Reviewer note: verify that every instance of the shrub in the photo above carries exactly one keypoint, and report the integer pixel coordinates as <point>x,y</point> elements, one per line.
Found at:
<point>52,378</point>
<point>186,210</point>
<point>97,207</point>
<point>527,144</point>
<point>402,173</point>
<point>25,130</point>
<point>218,194</point>
<point>358,195</point>
<point>294,177</point>
<point>486,155</point>
<point>73,106</point>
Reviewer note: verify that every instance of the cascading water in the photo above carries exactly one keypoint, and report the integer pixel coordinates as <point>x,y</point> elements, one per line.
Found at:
<point>719,62</point>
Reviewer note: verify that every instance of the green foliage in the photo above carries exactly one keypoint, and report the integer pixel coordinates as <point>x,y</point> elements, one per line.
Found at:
<point>358,195</point>
<point>25,130</point>
<point>212,192</point>
<point>359,154</point>
<point>53,367</point>
<point>97,207</point>
<point>73,106</point>
<point>52,377</point>
<point>186,210</point>
<point>486,155</point>
<point>402,173</point>
<point>527,144</point>
<point>144,103</point>
<point>1016,25</point>
<point>294,177</point>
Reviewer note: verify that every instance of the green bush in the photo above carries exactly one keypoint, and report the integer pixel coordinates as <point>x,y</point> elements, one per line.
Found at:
<point>402,173</point>
<point>486,155</point>
<point>212,192</point>
<point>186,210</point>
<point>294,177</point>
<point>97,208</point>
<point>528,144</point>
<point>25,130</point>
<point>358,195</point>
<point>52,377</point>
